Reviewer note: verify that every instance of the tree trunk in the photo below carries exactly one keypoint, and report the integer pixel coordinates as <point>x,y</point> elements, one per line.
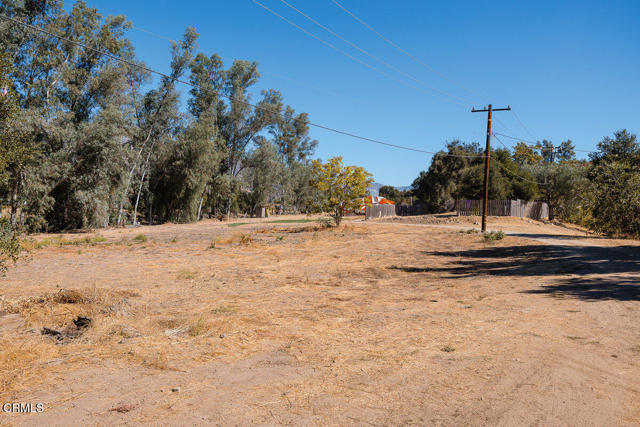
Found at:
<point>14,202</point>
<point>135,209</point>
<point>337,217</point>
<point>150,203</point>
<point>200,204</point>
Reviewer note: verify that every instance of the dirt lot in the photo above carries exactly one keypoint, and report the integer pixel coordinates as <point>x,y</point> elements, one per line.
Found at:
<point>404,322</point>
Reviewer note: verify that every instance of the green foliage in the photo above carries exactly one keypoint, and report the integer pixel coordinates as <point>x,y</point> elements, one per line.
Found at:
<point>524,154</point>
<point>615,175</point>
<point>140,238</point>
<point>17,151</point>
<point>565,189</point>
<point>291,221</point>
<point>86,141</point>
<point>342,187</point>
<point>393,194</point>
<point>440,184</point>
<point>9,244</point>
<point>492,236</point>
<point>458,173</point>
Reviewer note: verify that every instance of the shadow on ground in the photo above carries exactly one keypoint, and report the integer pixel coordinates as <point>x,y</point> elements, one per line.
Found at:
<point>590,272</point>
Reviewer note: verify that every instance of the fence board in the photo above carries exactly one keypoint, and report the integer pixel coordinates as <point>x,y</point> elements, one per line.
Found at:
<point>379,211</point>
<point>517,208</point>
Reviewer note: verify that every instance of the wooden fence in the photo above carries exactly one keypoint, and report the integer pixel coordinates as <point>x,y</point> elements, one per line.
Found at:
<point>378,211</point>
<point>411,210</point>
<point>519,208</point>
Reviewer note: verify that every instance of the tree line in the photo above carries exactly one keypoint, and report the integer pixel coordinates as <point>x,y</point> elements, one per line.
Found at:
<point>88,141</point>
<point>602,192</point>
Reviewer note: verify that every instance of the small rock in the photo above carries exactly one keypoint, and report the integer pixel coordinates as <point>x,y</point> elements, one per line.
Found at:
<point>176,389</point>
<point>434,300</point>
<point>222,335</point>
<point>129,332</point>
<point>614,355</point>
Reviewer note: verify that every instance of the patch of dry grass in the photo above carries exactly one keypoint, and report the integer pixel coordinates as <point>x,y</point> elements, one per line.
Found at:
<point>60,241</point>
<point>326,297</point>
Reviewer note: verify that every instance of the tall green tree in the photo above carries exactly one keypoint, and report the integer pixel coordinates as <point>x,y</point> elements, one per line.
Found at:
<point>615,175</point>
<point>442,182</point>
<point>160,119</point>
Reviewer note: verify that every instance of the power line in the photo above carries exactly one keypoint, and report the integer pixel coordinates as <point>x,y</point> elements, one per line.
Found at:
<point>337,49</point>
<point>499,163</point>
<point>266,73</point>
<point>258,107</point>
<point>152,33</point>
<point>390,66</point>
<point>415,59</point>
<point>522,124</point>
<point>535,143</point>
<point>502,124</point>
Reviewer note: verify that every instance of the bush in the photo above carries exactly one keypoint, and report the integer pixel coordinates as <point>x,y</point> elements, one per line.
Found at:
<point>493,235</point>
<point>9,244</point>
<point>140,238</point>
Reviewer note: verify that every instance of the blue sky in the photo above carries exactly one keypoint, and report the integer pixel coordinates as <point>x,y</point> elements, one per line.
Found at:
<point>570,69</point>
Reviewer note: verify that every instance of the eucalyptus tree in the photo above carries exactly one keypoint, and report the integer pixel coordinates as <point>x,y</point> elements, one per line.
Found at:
<point>159,117</point>
<point>291,137</point>
<point>239,122</point>
<point>63,88</point>
<point>265,168</point>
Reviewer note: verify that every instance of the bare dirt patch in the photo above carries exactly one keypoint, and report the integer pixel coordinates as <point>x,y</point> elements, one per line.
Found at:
<point>297,323</point>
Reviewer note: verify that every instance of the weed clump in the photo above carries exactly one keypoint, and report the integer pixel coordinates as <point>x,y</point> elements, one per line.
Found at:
<point>469,231</point>
<point>199,327</point>
<point>140,238</point>
<point>245,239</point>
<point>492,236</point>
<point>187,274</point>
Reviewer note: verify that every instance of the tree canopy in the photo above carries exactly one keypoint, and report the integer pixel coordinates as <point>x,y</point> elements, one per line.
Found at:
<point>342,188</point>
<point>99,142</point>
<point>602,193</point>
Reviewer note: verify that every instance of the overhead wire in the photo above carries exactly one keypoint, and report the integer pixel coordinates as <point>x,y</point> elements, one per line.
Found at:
<point>534,146</point>
<point>266,73</point>
<point>502,166</point>
<point>257,107</point>
<point>370,55</point>
<point>348,55</point>
<point>522,124</point>
<point>412,57</point>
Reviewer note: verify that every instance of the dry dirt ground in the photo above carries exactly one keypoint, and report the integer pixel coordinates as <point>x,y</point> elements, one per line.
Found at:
<point>405,322</point>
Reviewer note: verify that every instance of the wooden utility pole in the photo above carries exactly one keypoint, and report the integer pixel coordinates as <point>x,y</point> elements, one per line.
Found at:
<point>487,157</point>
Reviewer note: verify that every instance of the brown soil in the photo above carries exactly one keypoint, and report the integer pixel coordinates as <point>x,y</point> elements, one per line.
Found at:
<point>373,323</point>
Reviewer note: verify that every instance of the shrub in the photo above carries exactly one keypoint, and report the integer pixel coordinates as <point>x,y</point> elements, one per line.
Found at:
<point>493,235</point>
<point>9,244</point>
<point>140,238</point>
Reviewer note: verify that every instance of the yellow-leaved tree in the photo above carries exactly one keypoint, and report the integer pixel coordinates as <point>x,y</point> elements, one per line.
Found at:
<point>341,187</point>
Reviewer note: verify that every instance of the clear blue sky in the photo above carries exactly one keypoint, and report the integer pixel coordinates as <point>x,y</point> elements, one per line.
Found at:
<point>570,69</point>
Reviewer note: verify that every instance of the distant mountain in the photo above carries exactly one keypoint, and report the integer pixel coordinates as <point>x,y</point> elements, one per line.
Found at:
<point>375,188</point>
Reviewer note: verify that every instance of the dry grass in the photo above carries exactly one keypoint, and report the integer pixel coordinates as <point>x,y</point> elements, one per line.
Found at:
<point>333,317</point>
<point>59,241</point>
